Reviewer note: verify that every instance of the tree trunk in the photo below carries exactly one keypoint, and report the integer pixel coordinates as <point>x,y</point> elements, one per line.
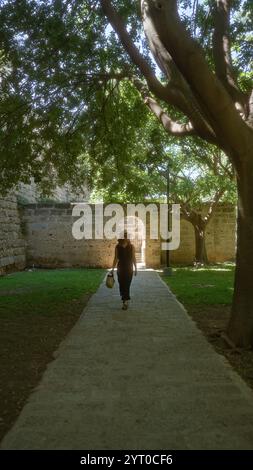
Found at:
<point>240,328</point>
<point>200,246</point>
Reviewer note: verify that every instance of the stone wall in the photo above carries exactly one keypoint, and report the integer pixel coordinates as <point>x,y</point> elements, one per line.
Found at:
<point>50,242</point>
<point>12,242</point>
<point>29,193</point>
<point>220,238</point>
<point>41,235</point>
<point>48,232</point>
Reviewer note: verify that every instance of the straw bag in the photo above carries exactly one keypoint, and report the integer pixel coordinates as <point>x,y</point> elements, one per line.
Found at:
<point>110,280</point>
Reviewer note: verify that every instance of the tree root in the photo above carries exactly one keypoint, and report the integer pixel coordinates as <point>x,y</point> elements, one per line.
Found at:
<point>230,343</point>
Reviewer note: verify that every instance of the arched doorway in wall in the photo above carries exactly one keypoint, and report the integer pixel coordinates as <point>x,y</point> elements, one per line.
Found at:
<point>136,232</point>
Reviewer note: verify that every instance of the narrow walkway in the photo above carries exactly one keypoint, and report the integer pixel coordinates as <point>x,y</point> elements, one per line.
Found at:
<point>145,378</point>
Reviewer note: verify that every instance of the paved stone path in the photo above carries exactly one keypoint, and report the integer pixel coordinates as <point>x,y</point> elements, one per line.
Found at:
<point>144,378</point>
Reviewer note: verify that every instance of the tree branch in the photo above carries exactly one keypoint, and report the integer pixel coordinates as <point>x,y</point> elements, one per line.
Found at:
<point>213,205</point>
<point>250,116</point>
<point>222,53</point>
<point>172,127</point>
<point>176,92</point>
<point>188,213</point>
<point>169,125</point>
<point>186,101</point>
<point>216,104</point>
<point>154,84</point>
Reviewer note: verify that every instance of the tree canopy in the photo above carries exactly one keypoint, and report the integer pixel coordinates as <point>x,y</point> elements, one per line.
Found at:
<point>63,67</point>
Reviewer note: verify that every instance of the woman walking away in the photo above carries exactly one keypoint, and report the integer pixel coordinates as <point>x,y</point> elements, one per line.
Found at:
<point>124,258</point>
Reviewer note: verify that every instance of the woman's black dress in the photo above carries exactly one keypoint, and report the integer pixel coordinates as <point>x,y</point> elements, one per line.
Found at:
<point>125,269</point>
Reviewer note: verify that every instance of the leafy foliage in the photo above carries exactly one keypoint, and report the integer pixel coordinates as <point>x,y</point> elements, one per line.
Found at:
<point>67,110</point>
<point>197,171</point>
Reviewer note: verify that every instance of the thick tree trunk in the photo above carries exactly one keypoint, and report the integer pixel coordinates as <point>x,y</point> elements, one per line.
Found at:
<point>240,328</point>
<point>200,246</point>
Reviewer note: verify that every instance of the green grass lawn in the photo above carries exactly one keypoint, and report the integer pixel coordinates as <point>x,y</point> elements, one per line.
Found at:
<point>45,291</point>
<point>37,310</point>
<point>206,285</point>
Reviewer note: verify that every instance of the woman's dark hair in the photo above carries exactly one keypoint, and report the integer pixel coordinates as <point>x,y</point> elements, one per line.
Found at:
<point>121,240</point>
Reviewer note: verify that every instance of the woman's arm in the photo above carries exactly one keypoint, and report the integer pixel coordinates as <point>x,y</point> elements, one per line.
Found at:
<point>134,260</point>
<point>115,258</point>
